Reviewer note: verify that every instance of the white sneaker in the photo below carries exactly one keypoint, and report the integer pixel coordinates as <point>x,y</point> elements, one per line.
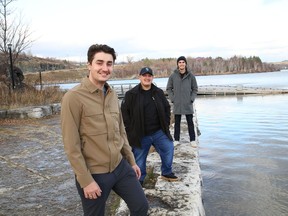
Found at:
<point>194,144</point>
<point>176,142</point>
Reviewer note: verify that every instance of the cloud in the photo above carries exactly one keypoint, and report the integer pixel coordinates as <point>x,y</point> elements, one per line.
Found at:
<point>158,29</point>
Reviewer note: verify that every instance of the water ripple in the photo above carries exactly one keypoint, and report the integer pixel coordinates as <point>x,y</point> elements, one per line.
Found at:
<point>243,155</point>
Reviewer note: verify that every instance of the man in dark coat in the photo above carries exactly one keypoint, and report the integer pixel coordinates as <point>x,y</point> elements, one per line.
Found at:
<point>182,90</point>
<point>146,115</point>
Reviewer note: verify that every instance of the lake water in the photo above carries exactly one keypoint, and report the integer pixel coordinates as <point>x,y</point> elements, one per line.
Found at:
<point>243,147</point>
<point>267,80</point>
<point>243,154</point>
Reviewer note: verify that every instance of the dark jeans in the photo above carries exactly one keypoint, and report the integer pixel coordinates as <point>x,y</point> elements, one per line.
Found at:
<point>163,145</point>
<point>124,182</point>
<point>189,119</point>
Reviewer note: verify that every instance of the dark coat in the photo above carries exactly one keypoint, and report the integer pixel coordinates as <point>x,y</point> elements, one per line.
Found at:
<point>182,92</point>
<point>133,114</point>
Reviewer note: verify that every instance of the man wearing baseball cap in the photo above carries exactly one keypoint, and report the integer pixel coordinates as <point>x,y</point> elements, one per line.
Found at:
<point>146,116</point>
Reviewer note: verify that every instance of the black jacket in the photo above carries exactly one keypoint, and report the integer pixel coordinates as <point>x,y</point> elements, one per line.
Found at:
<point>133,114</point>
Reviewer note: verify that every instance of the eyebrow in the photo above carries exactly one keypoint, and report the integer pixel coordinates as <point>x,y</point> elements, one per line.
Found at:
<point>100,60</point>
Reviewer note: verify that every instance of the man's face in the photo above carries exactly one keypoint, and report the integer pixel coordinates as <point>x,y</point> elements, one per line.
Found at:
<point>146,80</point>
<point>101,68</point>
<point>182,65</point>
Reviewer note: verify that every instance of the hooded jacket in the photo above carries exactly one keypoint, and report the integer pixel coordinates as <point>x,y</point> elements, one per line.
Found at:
<point>182,92</point>
<point>133,114</point>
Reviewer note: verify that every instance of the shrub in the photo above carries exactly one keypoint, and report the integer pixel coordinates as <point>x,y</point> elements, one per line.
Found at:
<point>29,96</point>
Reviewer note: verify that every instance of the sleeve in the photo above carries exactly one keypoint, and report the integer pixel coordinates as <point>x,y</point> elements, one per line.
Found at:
<point>71,110</point>
<point>125,111</point>
<point>194,88</point>
<point>126,150</point>
<point>167,108</point>
<point>169,89</point>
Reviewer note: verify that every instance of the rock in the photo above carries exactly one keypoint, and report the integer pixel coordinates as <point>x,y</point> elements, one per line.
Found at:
<point>31,112</point>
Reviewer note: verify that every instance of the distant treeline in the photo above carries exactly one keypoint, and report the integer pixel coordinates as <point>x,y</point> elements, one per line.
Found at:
<point>162,67</point>
<point>200,66</point>
<point>35,64</point>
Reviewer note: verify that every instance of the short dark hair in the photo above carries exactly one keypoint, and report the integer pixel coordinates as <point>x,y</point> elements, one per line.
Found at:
<point>95,48</point>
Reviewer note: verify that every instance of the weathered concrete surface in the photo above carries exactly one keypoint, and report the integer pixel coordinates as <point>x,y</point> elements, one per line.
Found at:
<point>36,178</point>
<point>185,196</point>
<point>181,198</point>
<point>237,90</point>
<point>175,198</point>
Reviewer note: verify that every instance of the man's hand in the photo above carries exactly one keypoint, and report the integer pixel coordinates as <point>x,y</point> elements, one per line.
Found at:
<point>137,171</point>
<point>92,191</point>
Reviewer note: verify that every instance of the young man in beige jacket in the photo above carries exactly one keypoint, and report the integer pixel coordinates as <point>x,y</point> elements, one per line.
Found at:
<point>95,140</point>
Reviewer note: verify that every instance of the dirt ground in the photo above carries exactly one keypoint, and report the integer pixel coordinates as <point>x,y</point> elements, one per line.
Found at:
<point>36,178</point>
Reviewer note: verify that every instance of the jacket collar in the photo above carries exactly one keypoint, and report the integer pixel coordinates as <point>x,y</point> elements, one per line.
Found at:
<point>92,88</point>
<point>138,88</point>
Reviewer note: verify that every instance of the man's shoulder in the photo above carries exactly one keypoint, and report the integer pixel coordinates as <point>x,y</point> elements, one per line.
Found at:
<point>133,90</point>
<point>174,74</point>
<point>76,89</point>
<point>156,88</point>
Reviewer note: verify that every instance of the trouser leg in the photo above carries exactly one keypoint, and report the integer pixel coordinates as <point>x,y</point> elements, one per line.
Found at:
<point>130,190</point>
<point>165,148</point>
<point>189,119</point>
<point>177,127</point>
<point>92,207</point>
<point>140,155</point>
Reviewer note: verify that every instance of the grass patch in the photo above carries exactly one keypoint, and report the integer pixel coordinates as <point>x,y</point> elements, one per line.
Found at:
<point>151,178</point>
<point>57,76</point>
<point>30,97</point>
<point>113,202</point>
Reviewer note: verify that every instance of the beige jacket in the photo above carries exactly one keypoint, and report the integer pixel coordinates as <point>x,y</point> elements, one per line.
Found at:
<point>93,132</point>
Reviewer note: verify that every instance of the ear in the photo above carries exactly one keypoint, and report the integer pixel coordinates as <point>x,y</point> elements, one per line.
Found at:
<point>89,66</point>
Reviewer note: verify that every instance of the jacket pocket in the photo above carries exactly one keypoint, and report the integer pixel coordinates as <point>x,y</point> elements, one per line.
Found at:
<point>93,122</point>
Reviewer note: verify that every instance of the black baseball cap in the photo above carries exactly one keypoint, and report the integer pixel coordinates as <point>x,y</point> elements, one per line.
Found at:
<point>146,70</point>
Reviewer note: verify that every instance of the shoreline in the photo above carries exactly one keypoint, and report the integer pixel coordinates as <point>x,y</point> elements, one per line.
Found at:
<point>36,173</point>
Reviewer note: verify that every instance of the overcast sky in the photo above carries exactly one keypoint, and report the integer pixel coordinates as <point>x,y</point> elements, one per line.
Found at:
<point>158,28</point>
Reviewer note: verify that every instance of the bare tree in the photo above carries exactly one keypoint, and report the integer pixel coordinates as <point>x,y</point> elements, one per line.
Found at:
<point>12,31</point>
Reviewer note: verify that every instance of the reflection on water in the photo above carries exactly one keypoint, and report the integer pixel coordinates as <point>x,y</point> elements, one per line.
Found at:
<point>243,154</point>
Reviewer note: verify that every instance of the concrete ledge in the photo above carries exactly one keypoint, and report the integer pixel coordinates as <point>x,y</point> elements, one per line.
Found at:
<point>183,197</point>
<point>31,112</point>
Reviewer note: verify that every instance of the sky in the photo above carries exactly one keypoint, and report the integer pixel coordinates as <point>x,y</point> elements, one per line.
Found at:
<point>137,29</point>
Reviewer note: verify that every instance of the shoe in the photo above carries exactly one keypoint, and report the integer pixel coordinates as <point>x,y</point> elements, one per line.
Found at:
<point>198,131</point>
<point>176,142</point>
<point>171,177</point>
<point>193,144</point>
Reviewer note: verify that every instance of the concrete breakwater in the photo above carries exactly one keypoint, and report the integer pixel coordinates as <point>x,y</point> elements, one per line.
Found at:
<point>33,151</point>
<point>237,90</point>
<point>183,197</point>
<point>212,90</point>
